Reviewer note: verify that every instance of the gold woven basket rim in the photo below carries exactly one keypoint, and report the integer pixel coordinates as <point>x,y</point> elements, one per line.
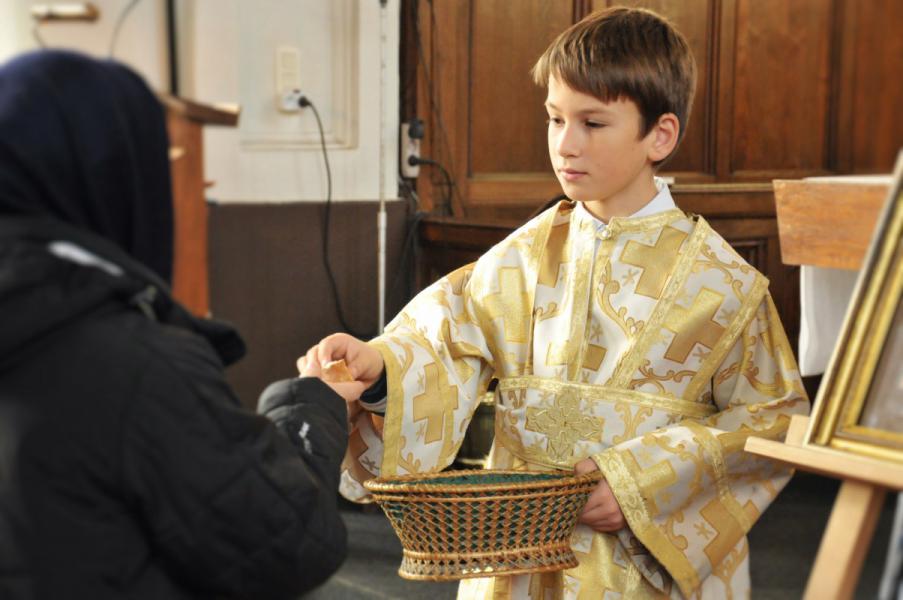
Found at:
<point>406,484</point>
<point>429,571</point>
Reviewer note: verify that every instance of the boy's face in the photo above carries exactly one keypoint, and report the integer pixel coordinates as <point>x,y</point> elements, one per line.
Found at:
<point>595,146</point>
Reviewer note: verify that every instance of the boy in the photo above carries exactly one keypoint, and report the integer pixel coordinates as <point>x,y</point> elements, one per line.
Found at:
<point>625,335</point>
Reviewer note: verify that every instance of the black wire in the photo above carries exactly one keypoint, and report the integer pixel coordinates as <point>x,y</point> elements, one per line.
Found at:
<point>36,34</point>
<point>408,248</point>
<point>303,102</point>
<point>125,12</point>
<point>172,46</point>
<point>434,108</point>
<point>407,264</point>
<point>449,184</point>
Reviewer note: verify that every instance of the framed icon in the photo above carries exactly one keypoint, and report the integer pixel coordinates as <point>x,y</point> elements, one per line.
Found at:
<point>860,403</point>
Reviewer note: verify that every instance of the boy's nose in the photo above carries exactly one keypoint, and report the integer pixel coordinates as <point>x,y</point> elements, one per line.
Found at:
<point>568,143</point>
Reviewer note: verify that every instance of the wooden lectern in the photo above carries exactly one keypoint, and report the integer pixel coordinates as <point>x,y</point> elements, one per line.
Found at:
<point>830,224</point>
<point>185,120</point>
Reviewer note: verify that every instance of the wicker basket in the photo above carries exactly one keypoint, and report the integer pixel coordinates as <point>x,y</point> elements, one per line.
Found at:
<point>460,524</point>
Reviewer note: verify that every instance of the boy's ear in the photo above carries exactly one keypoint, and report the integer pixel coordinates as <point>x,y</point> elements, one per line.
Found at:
<point>664,136</point>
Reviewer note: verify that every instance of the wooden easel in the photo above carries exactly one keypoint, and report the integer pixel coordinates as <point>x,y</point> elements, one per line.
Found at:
<point>811,215</point>
<point>856,509</point>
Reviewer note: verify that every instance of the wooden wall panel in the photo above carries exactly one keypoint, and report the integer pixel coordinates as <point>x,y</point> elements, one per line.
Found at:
<point>442,100</point>
<point>695,20</point>
<point>267,278</point>
<point>781,83</point>
<point>877,87</point>
<point>508,135</point>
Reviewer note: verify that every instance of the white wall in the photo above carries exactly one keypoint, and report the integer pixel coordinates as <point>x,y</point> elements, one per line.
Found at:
<point>141,42</point>
<point>274,156</point>
<point>227,52</point>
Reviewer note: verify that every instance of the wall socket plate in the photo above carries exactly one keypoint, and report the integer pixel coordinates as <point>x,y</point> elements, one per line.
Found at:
<point>288,78</point>
<point>408,147</point>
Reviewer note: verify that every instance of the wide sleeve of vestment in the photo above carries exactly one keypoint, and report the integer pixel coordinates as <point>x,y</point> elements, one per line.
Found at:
<point>688,491</point>
<point>437,364</point>
<point>441,353</point>
<point>233,504</point>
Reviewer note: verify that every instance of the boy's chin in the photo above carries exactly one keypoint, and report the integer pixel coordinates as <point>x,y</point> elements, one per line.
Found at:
<point>577,193</point>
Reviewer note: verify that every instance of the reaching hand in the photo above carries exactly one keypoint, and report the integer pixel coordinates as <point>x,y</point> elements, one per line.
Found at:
<point>364,361</point>
<point>602,511</point>
<point>309,366</point>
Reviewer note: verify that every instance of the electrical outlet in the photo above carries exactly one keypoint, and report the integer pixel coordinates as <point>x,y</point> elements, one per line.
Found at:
<point>289,101</point>
<point>410,147</point>
<point>288,78</point>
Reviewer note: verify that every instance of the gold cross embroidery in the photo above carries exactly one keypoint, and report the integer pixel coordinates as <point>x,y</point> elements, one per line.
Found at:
<point>550,267</point>
<point>694,325</point>
<point>594,356</point>
<point>510,303</point>
<point>540,583</point>
<point>437,397</point>
<point>598,572</point>
<point>557,354</point>
<point>727,531</point>
<point>564,425</point>
<point>656,261</point>
<point>353,462</point>
<point>652,480</point>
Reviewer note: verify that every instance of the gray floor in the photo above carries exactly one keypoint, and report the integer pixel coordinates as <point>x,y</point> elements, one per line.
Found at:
<point>783,545</point>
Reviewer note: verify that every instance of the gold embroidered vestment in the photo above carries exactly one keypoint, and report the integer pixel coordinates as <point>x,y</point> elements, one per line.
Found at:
<point>649,345</point>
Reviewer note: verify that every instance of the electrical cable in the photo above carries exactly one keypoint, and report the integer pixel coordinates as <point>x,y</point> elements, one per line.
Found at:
<point>416,160</point>
<point>408,249</point>
<point>36,34</point>
<point>407,261</point>
<point>305,102</point>
<point>433,105</point>
<point>122,16</point>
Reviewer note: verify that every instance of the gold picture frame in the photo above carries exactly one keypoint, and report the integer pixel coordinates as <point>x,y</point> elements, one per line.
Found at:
<point>859,407</point>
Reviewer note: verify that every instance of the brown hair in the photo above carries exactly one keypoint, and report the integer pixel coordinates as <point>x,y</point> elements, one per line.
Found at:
<point>625,52</point>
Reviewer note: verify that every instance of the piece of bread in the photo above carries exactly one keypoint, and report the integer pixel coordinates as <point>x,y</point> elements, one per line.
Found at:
<point>336,371</point>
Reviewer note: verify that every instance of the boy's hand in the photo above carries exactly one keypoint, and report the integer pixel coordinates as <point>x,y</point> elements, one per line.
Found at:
<point>364,362</point>
<point>309,366</point>
<point>602,511</point>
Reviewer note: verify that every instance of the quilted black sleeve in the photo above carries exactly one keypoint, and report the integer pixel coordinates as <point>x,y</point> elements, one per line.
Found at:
<point>236,504</point>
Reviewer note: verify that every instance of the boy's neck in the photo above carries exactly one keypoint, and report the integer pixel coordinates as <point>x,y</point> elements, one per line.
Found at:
<point>627,201</point>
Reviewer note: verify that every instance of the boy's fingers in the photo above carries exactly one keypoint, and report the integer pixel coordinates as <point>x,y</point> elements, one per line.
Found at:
<point>333,347</point>
<point>587,465</point>
<point>595,513</point>
<point>591,503</point>
<point>311,366</point>
<point>602,519</point>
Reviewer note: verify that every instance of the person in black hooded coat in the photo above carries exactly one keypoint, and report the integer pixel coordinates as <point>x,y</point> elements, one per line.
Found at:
<point>128,469</point>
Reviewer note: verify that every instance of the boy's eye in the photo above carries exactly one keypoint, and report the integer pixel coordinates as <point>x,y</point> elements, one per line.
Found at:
<point>594,125</point>
<point>554,120</point>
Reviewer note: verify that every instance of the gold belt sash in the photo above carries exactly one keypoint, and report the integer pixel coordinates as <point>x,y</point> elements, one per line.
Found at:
<point>562,421</point>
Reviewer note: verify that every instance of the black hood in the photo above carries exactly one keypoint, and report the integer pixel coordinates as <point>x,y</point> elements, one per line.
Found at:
<point>84,159</point>
<point>40,292</point>
<point>84,141</point>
